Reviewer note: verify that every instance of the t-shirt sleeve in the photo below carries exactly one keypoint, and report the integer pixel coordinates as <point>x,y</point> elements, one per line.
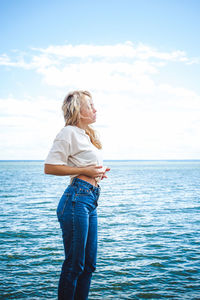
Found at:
<point>59,153</point>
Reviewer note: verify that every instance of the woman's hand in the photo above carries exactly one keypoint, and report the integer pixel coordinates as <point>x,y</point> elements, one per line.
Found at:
<point>93,171</point>
<point>104,174</point>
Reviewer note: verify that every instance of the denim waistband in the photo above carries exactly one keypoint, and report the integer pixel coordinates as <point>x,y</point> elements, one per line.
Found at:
<point>78,181</point>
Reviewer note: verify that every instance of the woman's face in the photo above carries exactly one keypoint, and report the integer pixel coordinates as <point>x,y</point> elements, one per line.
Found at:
<point>88,111</point>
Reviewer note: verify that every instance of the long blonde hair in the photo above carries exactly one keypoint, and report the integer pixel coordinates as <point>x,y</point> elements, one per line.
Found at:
<point>71,110</point>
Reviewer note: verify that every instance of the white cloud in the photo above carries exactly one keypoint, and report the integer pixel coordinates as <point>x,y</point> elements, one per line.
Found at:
<point>5,60</point>
<point>27,126</point>
<point>138,117</point>
<point>125,50</point>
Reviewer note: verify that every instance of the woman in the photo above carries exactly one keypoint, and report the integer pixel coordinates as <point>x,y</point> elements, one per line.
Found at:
<point>76,151</point>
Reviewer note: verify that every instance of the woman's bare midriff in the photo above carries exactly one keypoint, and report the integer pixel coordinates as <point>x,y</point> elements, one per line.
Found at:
<point>88,179</point>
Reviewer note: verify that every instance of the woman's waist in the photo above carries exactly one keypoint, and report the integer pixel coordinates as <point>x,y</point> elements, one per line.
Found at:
<point>88,179</point>
<point>84,185</point>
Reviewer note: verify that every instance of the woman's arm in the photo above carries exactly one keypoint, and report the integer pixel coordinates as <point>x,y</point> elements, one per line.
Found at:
<point>62,170</point>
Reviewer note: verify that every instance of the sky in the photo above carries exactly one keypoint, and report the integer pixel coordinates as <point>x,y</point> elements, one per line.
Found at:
<point>140,59</point>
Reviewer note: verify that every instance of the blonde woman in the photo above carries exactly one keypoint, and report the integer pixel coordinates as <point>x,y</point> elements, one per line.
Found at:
<point>76,151</point>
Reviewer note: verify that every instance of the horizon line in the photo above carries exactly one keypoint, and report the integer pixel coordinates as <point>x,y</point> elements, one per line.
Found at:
<point>187,159</point>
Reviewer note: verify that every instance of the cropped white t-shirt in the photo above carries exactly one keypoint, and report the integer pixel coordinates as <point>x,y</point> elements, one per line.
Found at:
<point>72,147</point>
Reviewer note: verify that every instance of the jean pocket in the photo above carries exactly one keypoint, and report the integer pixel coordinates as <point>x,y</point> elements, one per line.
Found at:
<point>62,204</point>
<point>83,191</point>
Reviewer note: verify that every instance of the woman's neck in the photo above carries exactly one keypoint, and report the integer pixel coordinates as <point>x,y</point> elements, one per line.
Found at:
<point>82,125</point>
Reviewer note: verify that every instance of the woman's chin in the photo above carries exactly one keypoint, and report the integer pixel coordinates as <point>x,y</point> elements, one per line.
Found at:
<point>94,120</point>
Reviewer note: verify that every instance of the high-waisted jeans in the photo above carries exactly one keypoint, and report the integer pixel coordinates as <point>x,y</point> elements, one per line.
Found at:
<point>77,215</point>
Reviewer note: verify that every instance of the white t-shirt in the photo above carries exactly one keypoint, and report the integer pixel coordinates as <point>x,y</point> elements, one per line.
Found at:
<point>72,147</point>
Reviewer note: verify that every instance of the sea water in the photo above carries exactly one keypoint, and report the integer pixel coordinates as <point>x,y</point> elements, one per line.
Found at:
<point>148,231</point>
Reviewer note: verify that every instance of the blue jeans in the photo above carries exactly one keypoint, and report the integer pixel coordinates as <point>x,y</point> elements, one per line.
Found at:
<point>77,215</point>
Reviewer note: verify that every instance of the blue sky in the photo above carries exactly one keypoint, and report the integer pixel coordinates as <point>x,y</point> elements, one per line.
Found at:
<point>140,60</point>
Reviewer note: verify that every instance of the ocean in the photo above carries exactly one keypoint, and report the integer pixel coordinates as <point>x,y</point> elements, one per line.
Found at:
<point>148,234</point>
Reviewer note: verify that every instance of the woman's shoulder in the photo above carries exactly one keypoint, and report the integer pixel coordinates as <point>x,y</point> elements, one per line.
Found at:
<point>67,132</point>
<point>64,133</point>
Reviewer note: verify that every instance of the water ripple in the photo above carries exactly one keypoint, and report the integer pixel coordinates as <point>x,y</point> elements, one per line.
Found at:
<point>148,231</point>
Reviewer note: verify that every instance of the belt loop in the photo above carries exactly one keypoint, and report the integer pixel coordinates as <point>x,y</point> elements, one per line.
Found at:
<point>73,181</point>
<point>91,188</point>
